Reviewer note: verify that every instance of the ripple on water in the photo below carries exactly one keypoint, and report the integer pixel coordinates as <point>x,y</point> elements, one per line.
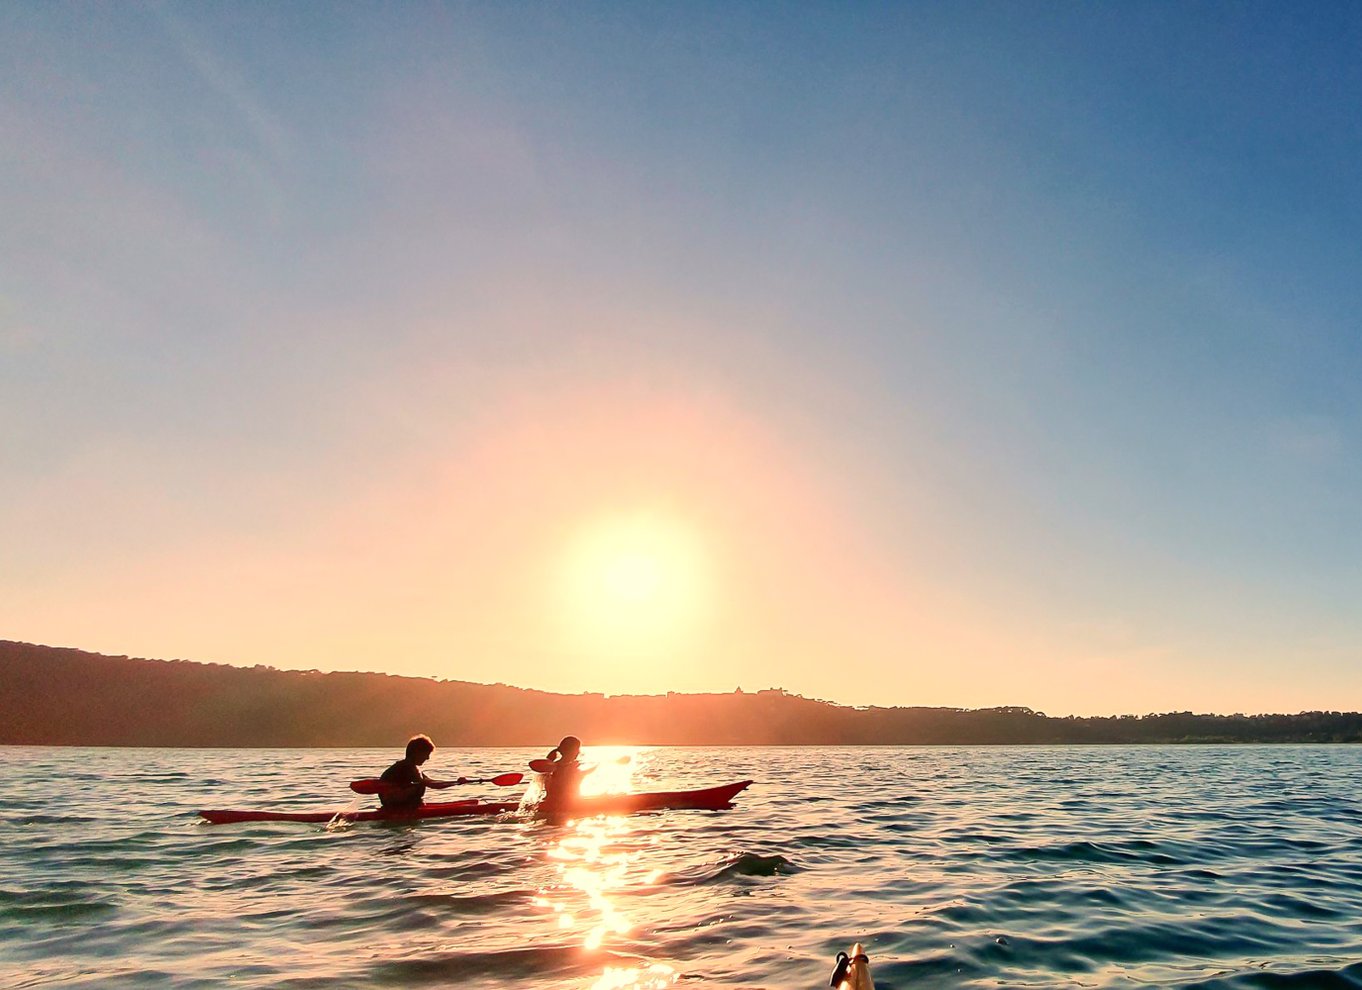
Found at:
<point>474,904</point>
<point>1131,851</point>
<point>505,965</point>
<point>1325,978</point>
<point>51,907</point>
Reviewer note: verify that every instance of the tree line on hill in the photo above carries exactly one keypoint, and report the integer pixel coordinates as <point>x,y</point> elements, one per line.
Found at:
<point>57,696</point>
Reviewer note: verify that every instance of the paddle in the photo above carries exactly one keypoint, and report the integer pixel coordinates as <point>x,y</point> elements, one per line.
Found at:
<point>373,785</point>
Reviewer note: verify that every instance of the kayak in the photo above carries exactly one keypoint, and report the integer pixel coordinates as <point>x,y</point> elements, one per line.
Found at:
<point>444,809</point>
<point>853,970</point>
<point>708,798</point>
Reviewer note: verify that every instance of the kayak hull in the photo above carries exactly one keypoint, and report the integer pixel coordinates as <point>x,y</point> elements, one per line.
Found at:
<point>443,809</point>
<point>709,798</point>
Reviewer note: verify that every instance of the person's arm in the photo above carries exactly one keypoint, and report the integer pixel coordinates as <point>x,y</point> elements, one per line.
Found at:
<point>440,785</point>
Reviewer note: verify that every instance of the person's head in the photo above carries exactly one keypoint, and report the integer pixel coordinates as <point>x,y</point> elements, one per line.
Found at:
<point>419,749</point>
<point>568,749</point>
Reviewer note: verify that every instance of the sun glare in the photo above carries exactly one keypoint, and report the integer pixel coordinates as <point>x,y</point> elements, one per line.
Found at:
<point>633,577</point>
<point>633,582</point>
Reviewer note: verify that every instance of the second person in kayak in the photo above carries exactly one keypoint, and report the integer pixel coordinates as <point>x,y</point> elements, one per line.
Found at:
<point>405,783</point>
<point>563,783</point>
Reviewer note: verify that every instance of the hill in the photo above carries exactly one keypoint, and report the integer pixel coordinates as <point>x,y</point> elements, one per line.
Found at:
<point>56,696</point>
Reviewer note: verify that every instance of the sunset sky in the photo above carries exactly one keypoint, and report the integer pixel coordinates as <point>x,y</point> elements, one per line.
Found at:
<point>957,354</point>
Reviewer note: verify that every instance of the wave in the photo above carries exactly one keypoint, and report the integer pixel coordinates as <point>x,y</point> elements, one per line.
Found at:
<point>472,903</point>
<point>743,864</point>
<point>50,906</point>
<point>993,874</point>
<point>1087,851</point>
<point>1346,978</point>
<point>23,821</point>
<point>505,965</point>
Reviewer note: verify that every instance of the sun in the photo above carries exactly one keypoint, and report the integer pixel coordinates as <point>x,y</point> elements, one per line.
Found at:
<point>633,576</point>
<point>634,582</point>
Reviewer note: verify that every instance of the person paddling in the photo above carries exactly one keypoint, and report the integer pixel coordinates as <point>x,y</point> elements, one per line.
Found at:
<point>563,780</point>
<point>404,783</point>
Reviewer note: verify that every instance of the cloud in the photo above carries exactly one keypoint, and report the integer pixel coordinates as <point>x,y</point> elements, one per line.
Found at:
<point>268,132</point>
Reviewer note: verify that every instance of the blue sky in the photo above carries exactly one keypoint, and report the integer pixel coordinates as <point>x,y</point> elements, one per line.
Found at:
<point>1036,324</point>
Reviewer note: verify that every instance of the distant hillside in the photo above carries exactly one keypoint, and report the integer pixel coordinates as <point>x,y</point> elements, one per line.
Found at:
<point>52,696</point>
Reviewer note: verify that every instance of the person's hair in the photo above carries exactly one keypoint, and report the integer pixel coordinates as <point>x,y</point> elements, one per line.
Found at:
<point>560,752</point>
<point>419,744</point>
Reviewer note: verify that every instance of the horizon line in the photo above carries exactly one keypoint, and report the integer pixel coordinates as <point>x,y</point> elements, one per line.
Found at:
<point>738,691</point>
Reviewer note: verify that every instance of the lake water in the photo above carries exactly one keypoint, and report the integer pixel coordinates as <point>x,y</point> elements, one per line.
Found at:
<point>1215,867</point>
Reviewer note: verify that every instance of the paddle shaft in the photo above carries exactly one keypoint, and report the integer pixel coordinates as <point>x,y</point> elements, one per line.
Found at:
<point>375,785</point>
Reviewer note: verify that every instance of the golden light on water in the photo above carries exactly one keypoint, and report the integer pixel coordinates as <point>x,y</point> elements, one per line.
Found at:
<point>590,872</point>
<point>595,863</point>
<point>655,977</point>
<point>612,771</point>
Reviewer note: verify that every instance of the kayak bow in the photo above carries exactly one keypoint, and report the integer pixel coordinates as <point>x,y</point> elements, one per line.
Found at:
<point>853,970</point>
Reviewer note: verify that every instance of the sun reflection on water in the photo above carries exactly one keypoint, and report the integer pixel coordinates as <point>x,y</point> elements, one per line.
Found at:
<point>591,873</point>
<point>596,862</point>
<point>614,770</point>
<point>610,771</point>
<point>655,977</point>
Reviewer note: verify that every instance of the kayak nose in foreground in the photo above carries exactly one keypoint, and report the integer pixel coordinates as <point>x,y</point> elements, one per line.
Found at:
<point>852,971</point>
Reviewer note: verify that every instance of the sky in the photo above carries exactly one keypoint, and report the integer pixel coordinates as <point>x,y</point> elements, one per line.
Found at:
<point>921,354</point>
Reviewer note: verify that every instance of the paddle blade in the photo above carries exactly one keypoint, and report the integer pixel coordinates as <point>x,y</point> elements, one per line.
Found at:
<point>371,785</point>
<point>508,779</point>
<point>542,766</point>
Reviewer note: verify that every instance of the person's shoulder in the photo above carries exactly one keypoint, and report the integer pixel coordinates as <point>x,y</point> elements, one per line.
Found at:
<point>398,769</point>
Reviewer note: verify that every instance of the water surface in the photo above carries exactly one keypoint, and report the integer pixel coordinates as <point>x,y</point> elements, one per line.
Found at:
<point>1214,867</point>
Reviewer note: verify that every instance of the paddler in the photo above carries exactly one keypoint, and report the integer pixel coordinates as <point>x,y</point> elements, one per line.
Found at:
<point>405,783</point>
<point>563,780</point>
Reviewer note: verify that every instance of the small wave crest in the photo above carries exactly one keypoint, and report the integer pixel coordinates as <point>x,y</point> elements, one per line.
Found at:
<point>1346,978</point>
<point>742,864</point>
<point>50,906</point>
<point>24,821</point>
<point>472,903</point>
<point>538,962</point>
<point>1085,851</point>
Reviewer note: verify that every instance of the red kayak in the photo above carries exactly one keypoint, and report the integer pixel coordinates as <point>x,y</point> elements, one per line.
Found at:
<point>709,798</point>
<point>442,810</point>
